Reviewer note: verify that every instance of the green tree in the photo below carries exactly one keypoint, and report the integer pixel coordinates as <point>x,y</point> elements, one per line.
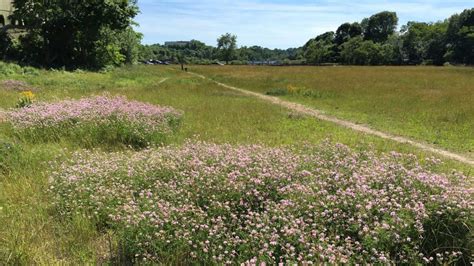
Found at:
<point>319,52</point>
<point>70,32</point>
<point>380,26</point>
<point>424,42</point>
<point>460,37</point>
<point>226,45</point>
<point>181,60</point>
<point>320,49</point>
<point>356,51</point>
<point>347,31</point>
<point>129,42</point>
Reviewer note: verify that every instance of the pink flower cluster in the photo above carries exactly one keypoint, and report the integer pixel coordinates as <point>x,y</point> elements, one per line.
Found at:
<point>98,109</point>
<point>207,203</point>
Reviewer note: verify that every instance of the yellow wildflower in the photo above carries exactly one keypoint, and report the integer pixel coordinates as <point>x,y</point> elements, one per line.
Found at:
<point>28,94</point>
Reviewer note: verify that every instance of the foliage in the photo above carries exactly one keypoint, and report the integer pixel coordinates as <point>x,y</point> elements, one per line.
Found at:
<point>71,33</point>
<point>215,204</point>
<point>347,31</point>
<point>425,42</point>
<point>374,41</point>
<point>226,45</point>
<point>380,26</point>
<point>321,49</point>
<point>460,37</point>
<point>94,120</point>
<point>356,51</point>
<point>277,92</point>
<point>8,69</point>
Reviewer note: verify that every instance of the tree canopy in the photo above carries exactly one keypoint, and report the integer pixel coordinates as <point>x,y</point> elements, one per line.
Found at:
<point>226,45</point>
<point>375,41</point>
<point>74,33</point>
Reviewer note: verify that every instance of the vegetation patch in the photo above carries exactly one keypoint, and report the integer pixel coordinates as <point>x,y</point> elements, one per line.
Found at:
<point>207,203</point>
<point>95,120</point>
<point>277,92</point>
<point>17,85</point>
<point>301,91</point>
<point>7,69</point>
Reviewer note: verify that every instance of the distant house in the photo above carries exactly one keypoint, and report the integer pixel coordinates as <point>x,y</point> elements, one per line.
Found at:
<point>6,9</point>
<point>177,43</point>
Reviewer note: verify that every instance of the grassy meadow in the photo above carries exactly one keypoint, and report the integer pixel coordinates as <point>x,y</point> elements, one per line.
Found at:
<point>434,105</point>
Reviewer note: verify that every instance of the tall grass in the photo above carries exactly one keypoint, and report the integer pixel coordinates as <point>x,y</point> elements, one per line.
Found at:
<point>430,104</point>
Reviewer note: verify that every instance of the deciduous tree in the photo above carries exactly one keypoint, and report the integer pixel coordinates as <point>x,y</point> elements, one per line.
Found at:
<point>378,27</point>
<point>226,44</point>
<point>70,33</point>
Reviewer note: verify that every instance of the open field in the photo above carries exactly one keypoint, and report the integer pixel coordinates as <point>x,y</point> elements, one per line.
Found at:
<point>432,105</point>
<point>429,104</point>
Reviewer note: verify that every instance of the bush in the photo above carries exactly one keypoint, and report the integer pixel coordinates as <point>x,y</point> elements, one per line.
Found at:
<point>95,120</point>
<point>8,69</point>
<point>213,204</point>
<point>277,92</point>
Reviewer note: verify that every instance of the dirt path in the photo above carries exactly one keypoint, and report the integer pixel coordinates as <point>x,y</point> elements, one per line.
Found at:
<point>361,128</point>
<point>163,80</point>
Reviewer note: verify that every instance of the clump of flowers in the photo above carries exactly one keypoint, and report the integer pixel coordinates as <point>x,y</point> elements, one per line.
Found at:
<point>220,204</point>
<point>99,119</point>
<point>26,99</point>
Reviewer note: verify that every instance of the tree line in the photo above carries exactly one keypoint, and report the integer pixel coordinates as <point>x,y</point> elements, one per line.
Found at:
<point>372,41</point>
<point>197,52</point>
<point>94,34</point>
<point>375,41</point>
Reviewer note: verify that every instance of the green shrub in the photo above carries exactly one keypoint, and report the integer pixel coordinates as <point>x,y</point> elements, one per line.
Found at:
<point>7,69</point>
<point>277,92</point>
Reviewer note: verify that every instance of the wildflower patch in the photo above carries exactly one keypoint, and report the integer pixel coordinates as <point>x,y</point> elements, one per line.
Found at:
<point>95,120</point>
<point>214,204</point>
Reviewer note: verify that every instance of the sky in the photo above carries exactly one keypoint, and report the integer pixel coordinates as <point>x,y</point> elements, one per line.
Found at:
<point>273,23</point>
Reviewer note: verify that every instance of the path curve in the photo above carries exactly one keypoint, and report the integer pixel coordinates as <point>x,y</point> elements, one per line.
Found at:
<point>361,128</point>
<point>163,80</point>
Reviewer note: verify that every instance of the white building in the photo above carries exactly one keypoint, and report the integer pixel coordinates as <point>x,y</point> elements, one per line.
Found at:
<point>6,9</point>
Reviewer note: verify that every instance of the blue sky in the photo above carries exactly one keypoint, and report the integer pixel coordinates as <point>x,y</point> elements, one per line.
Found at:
<point>273,23</point>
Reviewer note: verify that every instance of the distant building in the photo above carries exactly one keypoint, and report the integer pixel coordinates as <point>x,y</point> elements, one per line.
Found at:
<point>177,43</point>
<point>6,9</point>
